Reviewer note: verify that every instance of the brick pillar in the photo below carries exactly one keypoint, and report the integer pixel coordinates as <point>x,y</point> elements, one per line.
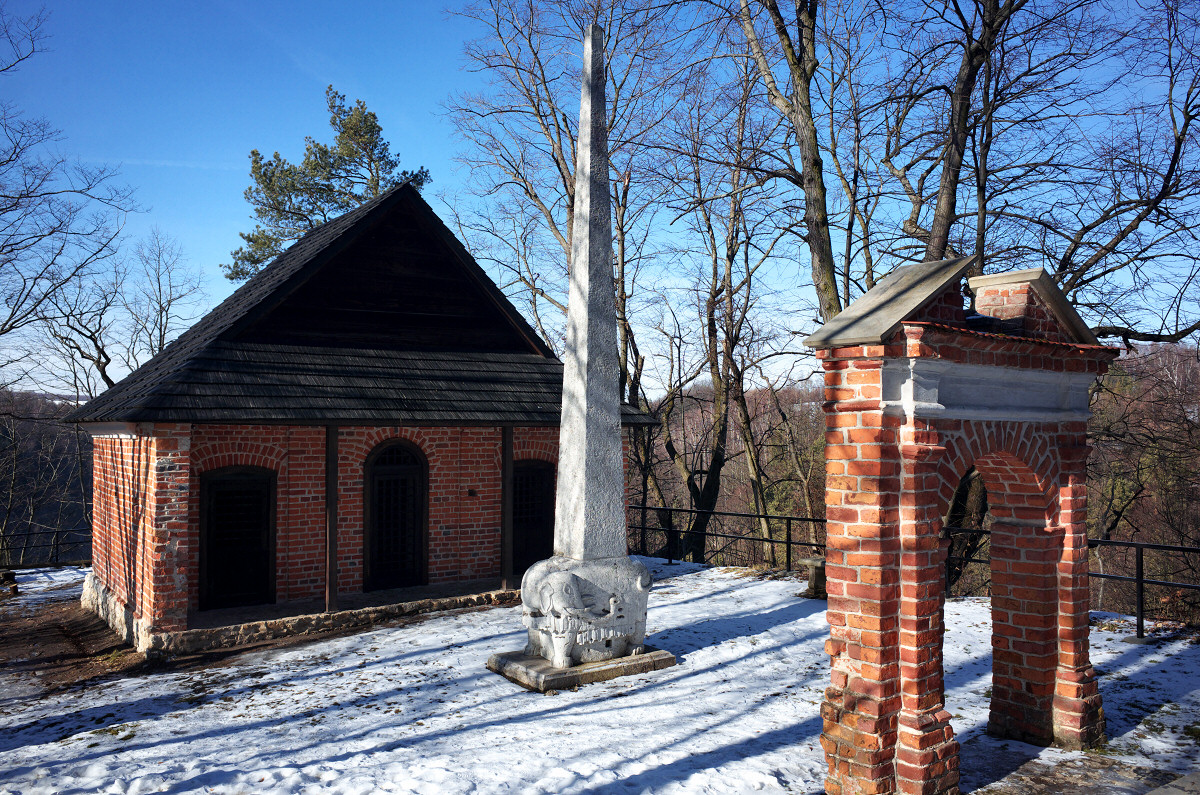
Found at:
<point>926,751</point>
<point>1024,628</point>
<point>166,581</point>
<point>1078,715</point>
<point>862,487</point>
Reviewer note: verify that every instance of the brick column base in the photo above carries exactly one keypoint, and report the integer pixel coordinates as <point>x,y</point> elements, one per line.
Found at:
<point>926,755</point>
<point>858,743</point>
<point>1078,715</point>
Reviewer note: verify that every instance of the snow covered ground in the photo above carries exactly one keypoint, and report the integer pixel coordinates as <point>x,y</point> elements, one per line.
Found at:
<point>53,584</point>
<point>412,709</point>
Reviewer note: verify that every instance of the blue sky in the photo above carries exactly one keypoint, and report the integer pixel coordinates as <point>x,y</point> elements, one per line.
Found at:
<point>176,95</point>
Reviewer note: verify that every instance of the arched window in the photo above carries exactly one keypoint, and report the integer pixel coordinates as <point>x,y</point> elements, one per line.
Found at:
<point>396,515</point>
<point>237,537</point>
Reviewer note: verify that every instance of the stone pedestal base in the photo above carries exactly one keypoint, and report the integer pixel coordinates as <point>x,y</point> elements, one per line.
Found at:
<point>536,673</point>
<point>816,578</point>
<point>583,611</point>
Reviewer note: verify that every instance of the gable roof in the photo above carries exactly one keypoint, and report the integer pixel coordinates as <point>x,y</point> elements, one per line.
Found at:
<point>876,314</point>
<point>250,360</point>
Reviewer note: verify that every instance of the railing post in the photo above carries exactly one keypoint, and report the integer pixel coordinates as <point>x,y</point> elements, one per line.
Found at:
<point>789,543</point>
<point>669,536</point>
<point>644,517</point>
<point>1140,594</point>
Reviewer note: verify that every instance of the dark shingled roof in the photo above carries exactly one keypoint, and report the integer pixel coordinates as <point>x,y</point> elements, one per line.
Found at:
<point>250,360</point>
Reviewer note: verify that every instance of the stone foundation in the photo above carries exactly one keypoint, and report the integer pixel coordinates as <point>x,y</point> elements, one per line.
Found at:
<point>104,603</point>
<point>136,633</point>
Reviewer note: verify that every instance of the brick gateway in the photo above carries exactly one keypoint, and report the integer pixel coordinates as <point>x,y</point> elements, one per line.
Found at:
<point>917,392</point>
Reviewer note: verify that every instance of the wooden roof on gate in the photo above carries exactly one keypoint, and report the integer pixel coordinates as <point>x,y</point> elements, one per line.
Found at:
<point>379,316</point>
<point>877,313</point>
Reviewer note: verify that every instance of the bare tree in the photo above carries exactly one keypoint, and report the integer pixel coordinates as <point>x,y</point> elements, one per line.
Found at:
<point>980,27</point>
<point>522,134</point>
<point>162,296</point>
<point>43,493</point>
<point>107,324</point>
<point>733,233</point>
<point>1072,170</point>
<point>1145,485</point>
<point>58,219</point>
<point>792,96</point>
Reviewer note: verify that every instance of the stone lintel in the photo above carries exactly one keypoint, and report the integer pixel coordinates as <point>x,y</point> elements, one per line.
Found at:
<point>941,389</point>
<point>537,674</point>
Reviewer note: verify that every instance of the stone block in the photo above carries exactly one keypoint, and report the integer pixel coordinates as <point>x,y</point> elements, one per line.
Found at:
<point>537,674</point>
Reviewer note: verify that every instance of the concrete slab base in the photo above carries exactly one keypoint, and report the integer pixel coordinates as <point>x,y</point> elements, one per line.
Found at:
<point>537,674</point>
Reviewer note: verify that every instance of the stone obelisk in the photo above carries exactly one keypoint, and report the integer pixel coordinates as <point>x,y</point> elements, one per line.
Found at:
<point>587,604</point>
<point>589,509</point>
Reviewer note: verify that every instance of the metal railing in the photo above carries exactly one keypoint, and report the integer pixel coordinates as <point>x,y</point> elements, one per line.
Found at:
<point>48,547</point>
<point>746,548</point>
<point>1139,578</point>
<point>721,548</point>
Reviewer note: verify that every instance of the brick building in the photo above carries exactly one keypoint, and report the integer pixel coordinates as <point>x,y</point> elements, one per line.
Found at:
<point>920,394</point>
<point>369,412</point>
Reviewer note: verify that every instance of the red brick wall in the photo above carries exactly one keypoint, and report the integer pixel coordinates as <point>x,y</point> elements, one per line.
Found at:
<point>464,542</point>
<point>946,308</point>
<point>139,521</point>
<point>1021,300</point>
<point>122,509</point>
<point>147,514</point>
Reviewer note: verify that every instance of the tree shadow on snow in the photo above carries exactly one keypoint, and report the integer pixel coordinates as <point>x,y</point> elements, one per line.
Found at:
<point>102,718</point>
<point>715,631</point>
<point>656,778</point>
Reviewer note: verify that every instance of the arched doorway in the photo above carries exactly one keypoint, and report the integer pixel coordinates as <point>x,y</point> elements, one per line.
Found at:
<point>396,482</point>
<point>533,513</point>
<point>237,537</point>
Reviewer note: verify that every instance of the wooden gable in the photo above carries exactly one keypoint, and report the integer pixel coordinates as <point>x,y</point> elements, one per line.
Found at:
<point>399,285</point>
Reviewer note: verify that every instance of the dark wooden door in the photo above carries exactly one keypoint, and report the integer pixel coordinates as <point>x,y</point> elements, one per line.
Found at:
<point>237,549</point>
<point>533,513</point>
<point>396,520</point>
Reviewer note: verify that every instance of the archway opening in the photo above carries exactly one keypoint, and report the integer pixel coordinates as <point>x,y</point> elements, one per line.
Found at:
<point>966,524</point>
<point>1024,550</point>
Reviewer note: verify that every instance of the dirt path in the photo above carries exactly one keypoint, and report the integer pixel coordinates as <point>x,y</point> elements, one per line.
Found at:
<point>57,644</point>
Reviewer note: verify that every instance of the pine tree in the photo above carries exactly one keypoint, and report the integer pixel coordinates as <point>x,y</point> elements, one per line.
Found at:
<point>291,199</point>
